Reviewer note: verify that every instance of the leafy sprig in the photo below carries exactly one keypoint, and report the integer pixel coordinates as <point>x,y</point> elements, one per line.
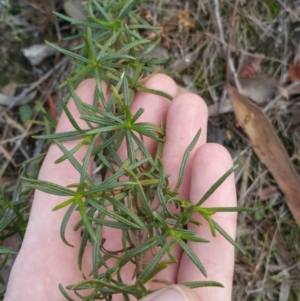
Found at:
<point>136,196</point>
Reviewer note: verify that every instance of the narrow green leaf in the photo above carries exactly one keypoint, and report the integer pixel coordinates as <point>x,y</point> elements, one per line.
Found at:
<point>49,187</point>
<point>111,41</point>
<point>185,159</point>
<point>69,53</point>
<point>99,88</point>
<point>147,129</point>
<point>7,251</point>
<point>214,187</point>
<point>115,215</point>
<point>146,274</point>
<point>127,211</point>
<point>147,245</point>
<point>3,262</point>
<point>110,118</point>
<point>73,161</point>
<point>158,268</point>
<point>150,49</point>
<point>193,238</point>
<point>143,88</point>
<point>103,11</point>
<point>87,159</point>
<point>116,56</point>
<point>102,285</point>
<point>139,189</point>
<point>130,147</point>
<point>64,204</point>
<point>65,136</point>
<point>65,221</point>
<point>211,226</point>
<point>193,257</point>
<point>133,45</point>
<point>70,20</point>
<point>111,224</point>
<point>197,284</point>
<point>103,24</point>
<point>127,8</point>
<point>85,72</point>
<point>64,293</point>
<point>78,102</point>
<point>71,118</point>
<point>72,151</point>
<point>227,236</point>
<point>143,148</point>
<point>225,209</point>
<point>88,40</point>
<point>127,96</point>
<point>105,129</point>
<point>137,114</point>
<point>86,220</point>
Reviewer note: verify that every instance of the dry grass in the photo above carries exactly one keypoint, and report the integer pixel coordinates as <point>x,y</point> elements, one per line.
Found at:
<point>193,32</point>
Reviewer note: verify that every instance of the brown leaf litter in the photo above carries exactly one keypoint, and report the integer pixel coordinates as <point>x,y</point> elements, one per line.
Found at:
<point>269,149</point>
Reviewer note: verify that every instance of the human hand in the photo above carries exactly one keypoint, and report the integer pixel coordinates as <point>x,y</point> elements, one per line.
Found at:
<point>44,260</point>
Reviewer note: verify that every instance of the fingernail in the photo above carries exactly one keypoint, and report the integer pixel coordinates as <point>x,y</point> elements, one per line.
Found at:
<point>173,293</point>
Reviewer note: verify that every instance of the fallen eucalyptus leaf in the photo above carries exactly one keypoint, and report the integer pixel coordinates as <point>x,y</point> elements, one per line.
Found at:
<point>269,149</point>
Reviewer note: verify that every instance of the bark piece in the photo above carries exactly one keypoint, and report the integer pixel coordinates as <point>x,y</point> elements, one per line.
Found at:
<point>269,149</point>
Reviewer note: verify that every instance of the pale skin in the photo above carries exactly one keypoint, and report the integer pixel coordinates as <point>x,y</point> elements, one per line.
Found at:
<point>44,260</point>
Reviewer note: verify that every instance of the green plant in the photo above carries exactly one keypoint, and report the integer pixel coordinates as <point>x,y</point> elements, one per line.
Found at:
<point>136,196</point>
<point>13,220</point>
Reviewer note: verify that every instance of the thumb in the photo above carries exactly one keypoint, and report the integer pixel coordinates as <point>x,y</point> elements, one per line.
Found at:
<point>173,293</point>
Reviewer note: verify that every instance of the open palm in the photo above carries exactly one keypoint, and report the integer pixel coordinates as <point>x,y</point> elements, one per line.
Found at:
<point>44,261</point>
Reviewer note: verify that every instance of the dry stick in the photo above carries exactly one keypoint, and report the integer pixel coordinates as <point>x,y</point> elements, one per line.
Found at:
<point>219,23</point>
<point>226,47</point>
<point>289,10</point>
<point>229,63</point>
<point>275,101</point>
<point>56,23</point>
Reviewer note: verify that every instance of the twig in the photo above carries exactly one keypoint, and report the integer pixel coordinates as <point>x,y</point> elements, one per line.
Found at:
<point>219,23</point>
<point>273,102</point>
<point>227,47</point>
<point>229,63</point>
<point>56,22</point>
<point>290,11</point>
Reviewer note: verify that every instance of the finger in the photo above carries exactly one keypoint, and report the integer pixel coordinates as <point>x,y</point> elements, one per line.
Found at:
<point>211,162</point>
<point>42,220</point>
<point>187,114</point>
<point>174,293</point>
